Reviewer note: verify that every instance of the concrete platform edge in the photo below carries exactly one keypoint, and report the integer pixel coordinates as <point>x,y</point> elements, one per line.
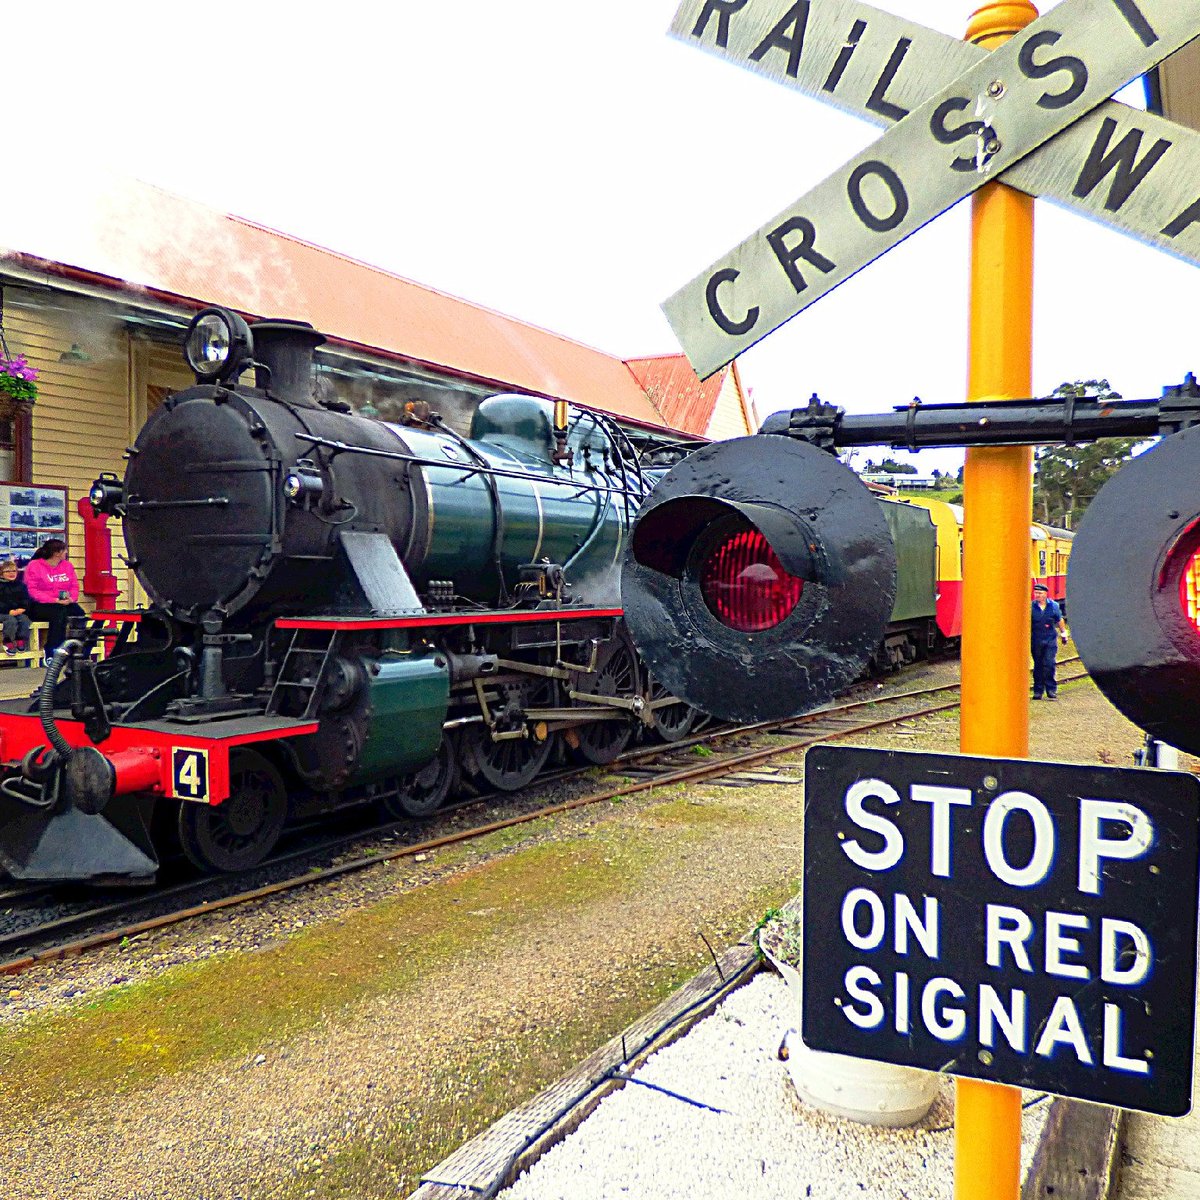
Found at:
<point>1077,1156</point>
<point>492,1160</point>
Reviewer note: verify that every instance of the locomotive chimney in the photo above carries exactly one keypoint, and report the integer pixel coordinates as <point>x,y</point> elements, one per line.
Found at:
<point>285,349</point>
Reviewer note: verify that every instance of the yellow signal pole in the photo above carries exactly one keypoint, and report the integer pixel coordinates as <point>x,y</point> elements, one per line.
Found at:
<point>998,500</point>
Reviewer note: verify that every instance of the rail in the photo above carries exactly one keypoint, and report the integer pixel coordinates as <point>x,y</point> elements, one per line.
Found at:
<point>825,725</point>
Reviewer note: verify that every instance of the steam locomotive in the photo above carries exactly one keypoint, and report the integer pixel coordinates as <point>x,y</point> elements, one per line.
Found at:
<point>343,610</point>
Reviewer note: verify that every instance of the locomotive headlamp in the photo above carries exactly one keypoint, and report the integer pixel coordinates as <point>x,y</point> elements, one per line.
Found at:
<point>107,494</point>
<point>761,560</point>
<point>303,483</point>
<point>218,345</point>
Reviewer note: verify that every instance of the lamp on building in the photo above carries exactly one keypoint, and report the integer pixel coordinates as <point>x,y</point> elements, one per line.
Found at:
<point>76,354</point>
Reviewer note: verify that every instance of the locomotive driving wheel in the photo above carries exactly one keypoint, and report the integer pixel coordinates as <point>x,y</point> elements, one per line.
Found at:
<point>616,674</point>
<point>508,763</point>
<point>672,722</point>
<point>421,793</point>
<point>241,831</point>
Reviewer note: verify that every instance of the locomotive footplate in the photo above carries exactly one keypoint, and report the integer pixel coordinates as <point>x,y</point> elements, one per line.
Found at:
<point>171,752</point>
<point>438,620</point>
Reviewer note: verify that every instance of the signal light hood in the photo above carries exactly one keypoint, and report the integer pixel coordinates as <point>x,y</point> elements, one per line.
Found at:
<point>824,527</point>
<point>664,538</point>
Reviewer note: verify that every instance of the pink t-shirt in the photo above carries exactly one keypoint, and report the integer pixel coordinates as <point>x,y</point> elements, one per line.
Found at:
<point>45,582</point>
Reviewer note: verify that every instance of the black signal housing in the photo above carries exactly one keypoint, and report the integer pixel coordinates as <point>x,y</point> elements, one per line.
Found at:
<point>809,575</point>
<point>1128,595</point>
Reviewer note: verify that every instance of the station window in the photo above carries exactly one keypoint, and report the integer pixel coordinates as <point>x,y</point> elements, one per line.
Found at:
<point>15,456</point>
<point>8,451</point>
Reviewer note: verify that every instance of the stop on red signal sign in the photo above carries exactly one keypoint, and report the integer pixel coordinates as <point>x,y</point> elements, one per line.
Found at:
<point>1025,923</point>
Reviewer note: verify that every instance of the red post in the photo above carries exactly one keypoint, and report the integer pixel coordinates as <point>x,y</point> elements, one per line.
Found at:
<point>99,582</point>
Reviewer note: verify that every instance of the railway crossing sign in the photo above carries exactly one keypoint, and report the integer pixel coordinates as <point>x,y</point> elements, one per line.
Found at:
<point>960,117</point>
<point>1024,923</point>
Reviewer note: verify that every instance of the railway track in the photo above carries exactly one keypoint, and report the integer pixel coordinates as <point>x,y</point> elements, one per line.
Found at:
<point>645,768</point>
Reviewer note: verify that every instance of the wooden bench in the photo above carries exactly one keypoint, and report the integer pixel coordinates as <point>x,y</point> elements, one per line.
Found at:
<point>35,655</point>
<point>32,657</point>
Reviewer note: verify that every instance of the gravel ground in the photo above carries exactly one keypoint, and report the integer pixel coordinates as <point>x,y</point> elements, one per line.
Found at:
<point>762,1143</point>
<point>257,924</point>
<point>284,1120</point>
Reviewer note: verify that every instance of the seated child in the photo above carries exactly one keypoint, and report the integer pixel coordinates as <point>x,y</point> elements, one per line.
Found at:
<point>14,608</point>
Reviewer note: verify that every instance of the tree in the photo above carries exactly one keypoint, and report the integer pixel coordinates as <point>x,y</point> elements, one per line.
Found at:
<point>897,468</point>
<point>1067,478</point>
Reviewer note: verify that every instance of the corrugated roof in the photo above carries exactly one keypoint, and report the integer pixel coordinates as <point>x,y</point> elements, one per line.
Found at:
<point>149,239</point>
<point>685,400</point>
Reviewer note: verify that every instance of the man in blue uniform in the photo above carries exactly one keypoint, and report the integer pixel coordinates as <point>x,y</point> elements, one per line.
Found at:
<point>1047,627</point>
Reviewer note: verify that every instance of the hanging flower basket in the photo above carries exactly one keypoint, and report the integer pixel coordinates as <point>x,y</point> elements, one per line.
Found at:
<point>18,380</point>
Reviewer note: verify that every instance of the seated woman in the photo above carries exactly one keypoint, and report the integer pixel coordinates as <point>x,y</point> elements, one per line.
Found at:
<point>54,589</point>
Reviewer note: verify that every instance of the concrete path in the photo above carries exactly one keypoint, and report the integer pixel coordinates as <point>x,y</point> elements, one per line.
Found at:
<point>16,681</point>
<point>1161,1157</point>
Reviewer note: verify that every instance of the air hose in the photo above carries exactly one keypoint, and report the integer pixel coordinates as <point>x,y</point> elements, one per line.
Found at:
<point>62,749</point>
<point>36,768</point>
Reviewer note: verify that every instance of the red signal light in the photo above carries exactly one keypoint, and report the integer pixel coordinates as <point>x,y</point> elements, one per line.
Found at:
<point>759,578</point>
<point>1189,589</point>
<point>745,585</point>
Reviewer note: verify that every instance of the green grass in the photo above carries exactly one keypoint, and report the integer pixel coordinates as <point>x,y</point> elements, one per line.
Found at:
<point>231,1005</point>
<point>462,1096</point>
<point>951,495</point>
<point>695,812</point>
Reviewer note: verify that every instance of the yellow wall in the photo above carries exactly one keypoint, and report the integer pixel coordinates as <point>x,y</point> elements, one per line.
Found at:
<point>81,420</point>
<point>87,413</point>
<point>729,418</point>
<point>165,368</point>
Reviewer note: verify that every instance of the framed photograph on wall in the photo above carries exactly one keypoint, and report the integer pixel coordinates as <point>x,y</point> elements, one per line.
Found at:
<point>30,516</point>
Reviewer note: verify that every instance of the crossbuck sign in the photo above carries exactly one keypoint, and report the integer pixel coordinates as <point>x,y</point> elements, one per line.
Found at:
<point>1035,113</point>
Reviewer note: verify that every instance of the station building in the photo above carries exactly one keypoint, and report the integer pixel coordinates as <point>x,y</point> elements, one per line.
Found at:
<point>98,285</point>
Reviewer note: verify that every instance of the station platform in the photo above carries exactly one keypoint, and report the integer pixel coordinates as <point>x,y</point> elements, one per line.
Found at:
<point>693,1101</point>
<point>17,680</point>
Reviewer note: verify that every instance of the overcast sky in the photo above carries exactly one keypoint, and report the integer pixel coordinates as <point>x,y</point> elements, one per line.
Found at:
<point>563,162</point>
